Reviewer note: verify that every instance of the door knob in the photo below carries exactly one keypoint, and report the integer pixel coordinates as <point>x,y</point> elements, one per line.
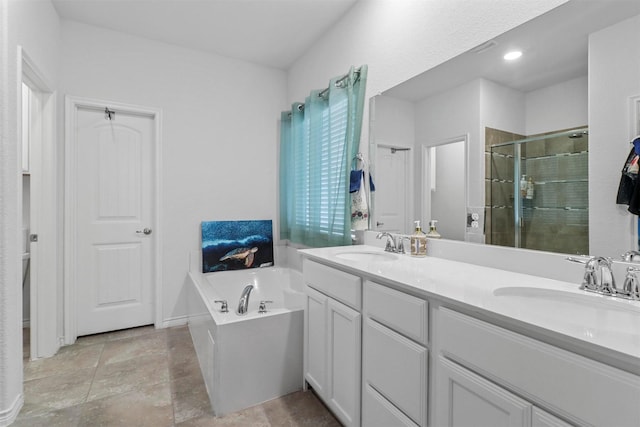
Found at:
<point>146,231</point>
<point>378,223</point>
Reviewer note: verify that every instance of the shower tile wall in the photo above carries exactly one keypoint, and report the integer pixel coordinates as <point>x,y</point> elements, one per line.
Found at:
<point>556,219</point>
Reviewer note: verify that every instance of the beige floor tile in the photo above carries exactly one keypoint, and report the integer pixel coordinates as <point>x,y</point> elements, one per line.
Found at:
<point>68,359</point>
<point>147,407</point>
<point>66,417</point>
<point>183,364</point>
<point>251,417</point>
<point>134,347</point>
<point>143,377</point>
<point>299,409</point>
<point>121,377</point>
<point>190,398</point>
<point>56,392</point>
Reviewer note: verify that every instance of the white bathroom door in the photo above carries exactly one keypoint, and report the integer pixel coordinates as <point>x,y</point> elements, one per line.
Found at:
<point>114,236</point>
<point>392,190</point>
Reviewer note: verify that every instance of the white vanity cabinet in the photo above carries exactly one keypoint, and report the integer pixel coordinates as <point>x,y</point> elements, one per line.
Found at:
<point>488,375</point>
<point>385,347</point>
<point>394,358</point>
<point>333,325</point>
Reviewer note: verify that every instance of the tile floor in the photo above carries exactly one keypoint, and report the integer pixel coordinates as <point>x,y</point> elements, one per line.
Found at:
<point>141,377</point>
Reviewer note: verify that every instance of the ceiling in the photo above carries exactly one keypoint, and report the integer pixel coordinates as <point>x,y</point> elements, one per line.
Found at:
<point>268,32</point>
<point>554,47</point>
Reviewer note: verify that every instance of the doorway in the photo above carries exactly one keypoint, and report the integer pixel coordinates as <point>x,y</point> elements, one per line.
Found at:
<point>38,202</point>
<point>444,184</point>
<point>112,240</point>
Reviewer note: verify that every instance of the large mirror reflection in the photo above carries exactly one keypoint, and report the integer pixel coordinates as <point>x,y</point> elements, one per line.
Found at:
<point>513,152</point>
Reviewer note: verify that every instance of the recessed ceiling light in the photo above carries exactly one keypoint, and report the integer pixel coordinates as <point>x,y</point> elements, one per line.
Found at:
<point>514,54</point>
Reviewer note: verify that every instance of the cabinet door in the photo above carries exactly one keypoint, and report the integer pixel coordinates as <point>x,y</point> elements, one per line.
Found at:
<point>344,365</point>
<point>315,340</point>
<point>545,419</point>
<point>466,399</point>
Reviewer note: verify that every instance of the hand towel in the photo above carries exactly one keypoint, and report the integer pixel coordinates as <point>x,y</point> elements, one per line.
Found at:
<point>359,206</point>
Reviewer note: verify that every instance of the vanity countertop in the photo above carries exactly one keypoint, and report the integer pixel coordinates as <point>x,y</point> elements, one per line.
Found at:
<point>601,327</point>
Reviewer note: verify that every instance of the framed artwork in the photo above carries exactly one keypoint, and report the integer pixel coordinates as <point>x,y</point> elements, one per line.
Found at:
<point>236,245</point>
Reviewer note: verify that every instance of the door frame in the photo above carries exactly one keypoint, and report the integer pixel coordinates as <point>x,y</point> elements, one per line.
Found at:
<point>44,262</point>
<point>72,105</point>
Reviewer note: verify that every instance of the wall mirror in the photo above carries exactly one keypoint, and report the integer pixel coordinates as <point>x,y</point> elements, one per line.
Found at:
<point>498,151</point>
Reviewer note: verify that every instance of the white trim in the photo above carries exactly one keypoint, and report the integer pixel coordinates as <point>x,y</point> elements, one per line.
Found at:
<point>9,415</point>
<point>44,284</point>
<point>72,104</point>
<point>634,130</point>
<point>175,321</point>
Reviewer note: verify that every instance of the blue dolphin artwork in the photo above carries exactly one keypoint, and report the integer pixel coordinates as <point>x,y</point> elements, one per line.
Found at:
<point>236,245</point>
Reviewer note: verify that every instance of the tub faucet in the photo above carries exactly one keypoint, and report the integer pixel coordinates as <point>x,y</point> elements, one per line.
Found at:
<point>243,305</point>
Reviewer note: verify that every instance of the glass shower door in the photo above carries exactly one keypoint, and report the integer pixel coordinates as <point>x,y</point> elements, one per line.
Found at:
<point>550,192</point>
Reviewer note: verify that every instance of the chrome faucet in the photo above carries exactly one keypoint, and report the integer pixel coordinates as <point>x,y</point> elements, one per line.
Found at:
<point>243,305</point>
<point>631,256</point>
<point>391,241</point>
<point>631,287</point>
<point>598,276</point>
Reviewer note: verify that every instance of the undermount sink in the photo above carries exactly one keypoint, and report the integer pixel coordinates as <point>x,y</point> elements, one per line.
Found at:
<point>587,311</point>
<point>366,256</point>
<point>592,300</point>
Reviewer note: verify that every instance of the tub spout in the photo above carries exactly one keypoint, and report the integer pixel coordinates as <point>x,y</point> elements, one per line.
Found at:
<point>243,305</point>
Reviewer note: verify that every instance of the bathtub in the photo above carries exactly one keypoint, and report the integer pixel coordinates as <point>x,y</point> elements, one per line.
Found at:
<point>247,359</point>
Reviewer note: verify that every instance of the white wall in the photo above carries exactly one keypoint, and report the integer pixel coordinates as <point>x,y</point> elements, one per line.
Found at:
<point>557,107</point>
<point>35,27</point>
<point>394,121</point>
<point>502,108</point>
<point>614,76</point>
<point>452,114</point>
<point>401,39</point>
<point>219,132</point>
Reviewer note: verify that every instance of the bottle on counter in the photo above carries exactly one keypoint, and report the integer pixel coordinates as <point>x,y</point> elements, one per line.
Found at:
<point>433,233</point>
<point>418,242</point>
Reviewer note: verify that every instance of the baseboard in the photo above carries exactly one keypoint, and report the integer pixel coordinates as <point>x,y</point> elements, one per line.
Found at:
<point>9,415</point>
<point>174,321</point>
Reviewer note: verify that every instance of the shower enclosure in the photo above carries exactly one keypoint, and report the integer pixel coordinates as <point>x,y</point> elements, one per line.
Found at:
<point>538,191</point>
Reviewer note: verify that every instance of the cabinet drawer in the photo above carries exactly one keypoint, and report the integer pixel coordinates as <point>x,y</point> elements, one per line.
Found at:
<point>379,412</point>
<point>399,311</point>
<point>579,389</point>
<point>397,368</point>
<point>339,285</point>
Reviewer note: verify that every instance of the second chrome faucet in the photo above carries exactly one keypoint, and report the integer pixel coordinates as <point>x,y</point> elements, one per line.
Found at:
<point>598,277</point>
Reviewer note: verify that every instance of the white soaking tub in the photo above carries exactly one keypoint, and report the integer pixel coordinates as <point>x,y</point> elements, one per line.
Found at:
<point>247,359</point>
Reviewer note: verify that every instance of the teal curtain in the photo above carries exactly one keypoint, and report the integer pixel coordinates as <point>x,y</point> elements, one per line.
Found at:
<point>318,140</point>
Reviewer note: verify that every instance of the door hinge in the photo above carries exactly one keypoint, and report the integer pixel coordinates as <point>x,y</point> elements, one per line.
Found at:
<point>33,237</point>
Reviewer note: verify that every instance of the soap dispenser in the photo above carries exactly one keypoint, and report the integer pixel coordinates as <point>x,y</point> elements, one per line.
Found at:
<point>418,242</point>
<point>433,233</point>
